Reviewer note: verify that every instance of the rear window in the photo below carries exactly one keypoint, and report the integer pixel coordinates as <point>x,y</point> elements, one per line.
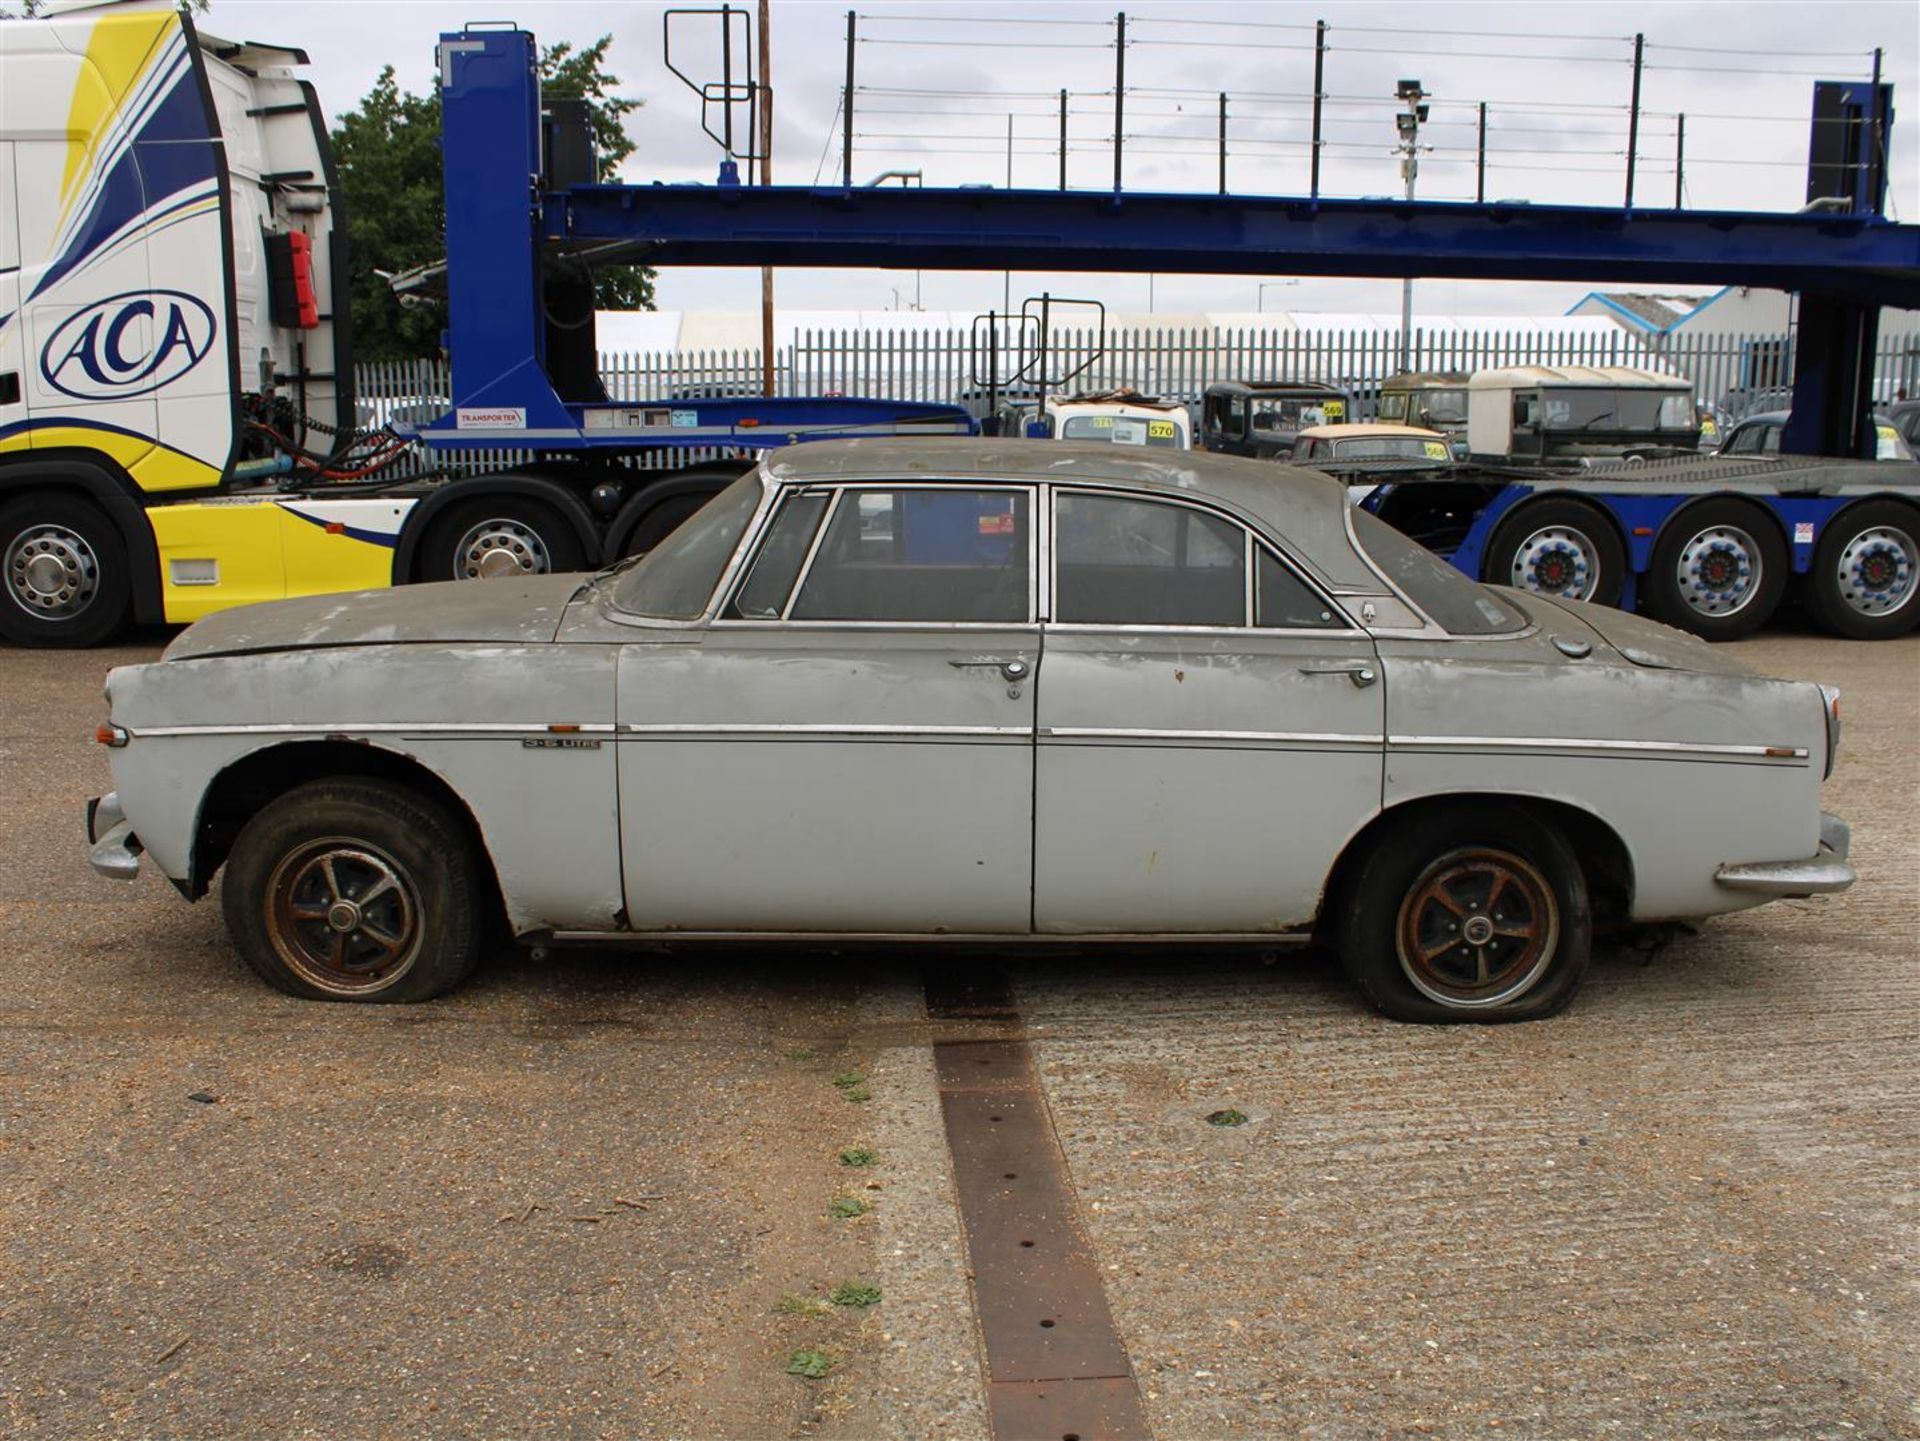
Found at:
<point>1463,606</point>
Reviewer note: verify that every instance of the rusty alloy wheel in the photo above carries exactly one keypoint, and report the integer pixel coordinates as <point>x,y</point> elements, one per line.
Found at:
<point>1478,928</point>
<point>344,916</point>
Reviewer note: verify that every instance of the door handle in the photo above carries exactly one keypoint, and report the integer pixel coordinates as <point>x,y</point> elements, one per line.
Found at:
<point>1360,672</point>
<point>1012,668</point>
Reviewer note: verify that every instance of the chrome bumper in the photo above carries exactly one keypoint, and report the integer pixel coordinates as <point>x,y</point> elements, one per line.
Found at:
<point>1826,871</point>
<point>113,848</point>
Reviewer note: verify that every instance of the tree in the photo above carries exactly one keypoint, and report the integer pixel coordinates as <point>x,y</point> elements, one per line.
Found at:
<point>388,151</point>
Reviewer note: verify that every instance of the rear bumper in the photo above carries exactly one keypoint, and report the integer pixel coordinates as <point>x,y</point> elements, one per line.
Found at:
<point>113,848</point>
<point>1826,871</point>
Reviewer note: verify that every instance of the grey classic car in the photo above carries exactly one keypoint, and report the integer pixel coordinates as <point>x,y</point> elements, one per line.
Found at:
<point>997,690</point>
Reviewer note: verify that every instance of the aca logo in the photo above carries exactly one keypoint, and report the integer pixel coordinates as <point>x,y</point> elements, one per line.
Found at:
<point>127,344</point>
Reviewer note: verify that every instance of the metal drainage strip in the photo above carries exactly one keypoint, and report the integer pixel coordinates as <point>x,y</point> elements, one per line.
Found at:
<point>1055,1369</point>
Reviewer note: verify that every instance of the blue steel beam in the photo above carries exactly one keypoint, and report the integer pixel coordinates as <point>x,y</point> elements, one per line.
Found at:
<point>1860,257</point>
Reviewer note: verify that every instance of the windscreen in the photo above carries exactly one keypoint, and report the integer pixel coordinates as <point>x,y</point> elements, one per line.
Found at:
<point>1390,447</point>
<point>676,578</point>
<point>1575,410</point>
<point>1123,430</point>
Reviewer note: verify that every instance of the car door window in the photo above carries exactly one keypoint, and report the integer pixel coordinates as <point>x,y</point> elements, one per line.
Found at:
<point>921,554</point>
<point>789,537</point>
<point>1139,562</point>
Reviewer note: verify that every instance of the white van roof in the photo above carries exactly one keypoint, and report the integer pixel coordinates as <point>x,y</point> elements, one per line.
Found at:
<point>1515,377</point>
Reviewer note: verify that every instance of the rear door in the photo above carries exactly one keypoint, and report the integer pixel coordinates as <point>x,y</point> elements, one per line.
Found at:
<point>1210,726</point>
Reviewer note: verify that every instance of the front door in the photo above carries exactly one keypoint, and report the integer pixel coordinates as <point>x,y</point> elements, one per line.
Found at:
<point>849,745</point>
<point>1210,727</point>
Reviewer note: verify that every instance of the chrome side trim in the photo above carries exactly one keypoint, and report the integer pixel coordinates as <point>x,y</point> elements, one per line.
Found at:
<point>1059,938</point>
<point>1551,743</point>
<point>1292,738</point>
<point>729,728</point>
<point>328,728</point>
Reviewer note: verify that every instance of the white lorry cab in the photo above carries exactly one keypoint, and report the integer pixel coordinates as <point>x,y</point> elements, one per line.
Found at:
<point>168,275</point>
<point>1571,412</point>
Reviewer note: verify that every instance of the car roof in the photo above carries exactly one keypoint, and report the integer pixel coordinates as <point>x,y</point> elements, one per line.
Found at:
<point>1302,506</point>
<point>1362,429</point>
<point>1265,387</point>
<point>1507,377</point>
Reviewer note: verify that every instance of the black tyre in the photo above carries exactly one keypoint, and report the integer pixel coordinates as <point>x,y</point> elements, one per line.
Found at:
<point>1719,569</point>
<point>499,536</point>
<point>1560,548</point>
<point>63,572</point>
<point>1865,581</point>
<point>1476,914</point>
<point>355,890</point>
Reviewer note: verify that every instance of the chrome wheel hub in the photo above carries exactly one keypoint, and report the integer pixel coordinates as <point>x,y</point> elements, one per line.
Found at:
<point>344,916</point>
<point>500,547</point>
<point>1719,570</point>
<point>1557,561</point>
<point>1877,570</point>
<point>51,572</point>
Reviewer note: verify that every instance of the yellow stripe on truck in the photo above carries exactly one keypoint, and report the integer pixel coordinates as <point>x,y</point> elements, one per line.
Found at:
<point>215,555</point>
<point>118,53</point>
<point>154,467</point>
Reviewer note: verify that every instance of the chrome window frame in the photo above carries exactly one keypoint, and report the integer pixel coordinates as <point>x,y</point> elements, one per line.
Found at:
<point>755,541</point>
<point>611,610</point>
<point>1255,539</point>
<point>788,621</point>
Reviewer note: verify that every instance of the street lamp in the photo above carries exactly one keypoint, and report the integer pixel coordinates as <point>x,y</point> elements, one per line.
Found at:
<point>1413,114</point>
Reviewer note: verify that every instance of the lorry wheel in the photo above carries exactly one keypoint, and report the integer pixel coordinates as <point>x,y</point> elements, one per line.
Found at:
<point>1562,549</point>
<point>354,890</point>
<point>663,520</point>
<point>63,568</point>
<point>1865,582</point>
<point>1719,570</point>
<point>1477,914</point>
<point>500,536</point>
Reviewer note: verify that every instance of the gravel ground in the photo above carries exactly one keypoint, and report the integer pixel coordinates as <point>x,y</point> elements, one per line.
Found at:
<point>1686,1207</point>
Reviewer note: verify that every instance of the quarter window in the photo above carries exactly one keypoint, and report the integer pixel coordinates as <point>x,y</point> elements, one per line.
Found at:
<point>764,596</point>
<point>921,554</point>
<point>1283,600</point>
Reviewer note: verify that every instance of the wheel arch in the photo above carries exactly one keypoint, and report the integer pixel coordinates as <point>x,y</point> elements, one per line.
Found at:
<point>1603,854</point>
<point>108,488</point>
<point>262,776</point>
<point>522,486</point>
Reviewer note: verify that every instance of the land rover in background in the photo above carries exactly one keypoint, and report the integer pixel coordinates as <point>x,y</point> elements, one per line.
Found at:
<point>1429,399</point>
<point>1544,413</point>
<point>1263,418</point>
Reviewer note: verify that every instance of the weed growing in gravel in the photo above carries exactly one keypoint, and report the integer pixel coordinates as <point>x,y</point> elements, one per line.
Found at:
<point>801,1306</point>
<point>859,1156</point>
<point>851,1294</point>
<point>845,1208</point>
<point>811,1364</point>
<point>1228,1117</point>
<point>802,1053</point>
<point>847,1080</point>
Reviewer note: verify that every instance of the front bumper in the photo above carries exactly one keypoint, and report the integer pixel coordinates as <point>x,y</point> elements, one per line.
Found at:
<point>113,848</point>
<point>1825,872</point>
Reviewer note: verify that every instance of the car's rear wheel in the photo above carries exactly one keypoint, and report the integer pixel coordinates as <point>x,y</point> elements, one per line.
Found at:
<point>63,572</point>
<point>1865,582</point>
<point>354,890</point>
<point>1474,914</point>
<point>1563,549</point>
<point>1719,570</point>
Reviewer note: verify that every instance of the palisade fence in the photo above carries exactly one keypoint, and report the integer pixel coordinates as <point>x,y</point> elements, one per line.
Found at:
<point>1741,372</point>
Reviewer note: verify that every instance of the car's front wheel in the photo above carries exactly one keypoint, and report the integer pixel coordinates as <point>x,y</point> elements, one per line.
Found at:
<point>354,890</point>
<point>1480,913</point>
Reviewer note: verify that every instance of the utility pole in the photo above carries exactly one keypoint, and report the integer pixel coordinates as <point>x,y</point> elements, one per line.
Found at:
<point>1413,114</point>
<point>766,178</point>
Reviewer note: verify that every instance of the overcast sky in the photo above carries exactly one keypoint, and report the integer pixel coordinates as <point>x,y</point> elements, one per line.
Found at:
<point>1556,78</point>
